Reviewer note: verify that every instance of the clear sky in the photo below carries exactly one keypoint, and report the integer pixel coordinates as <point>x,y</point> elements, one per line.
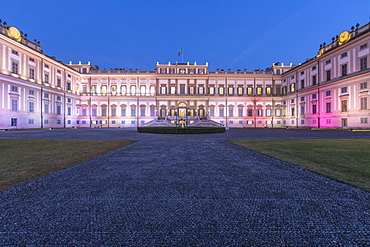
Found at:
<point>228,34</point>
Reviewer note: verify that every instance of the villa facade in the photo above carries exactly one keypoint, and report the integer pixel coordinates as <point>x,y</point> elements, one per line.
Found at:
<point>329,90</point>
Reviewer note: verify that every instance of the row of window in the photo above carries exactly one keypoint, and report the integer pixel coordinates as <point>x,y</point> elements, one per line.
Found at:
<point>15,70</point>
<point>328,73</point>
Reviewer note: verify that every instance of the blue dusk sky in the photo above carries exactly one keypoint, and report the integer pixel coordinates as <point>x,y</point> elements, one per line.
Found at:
<point>228,34</point>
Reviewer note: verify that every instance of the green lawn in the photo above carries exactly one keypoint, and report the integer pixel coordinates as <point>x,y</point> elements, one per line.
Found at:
<point>344,160</point>
<point>24,160</point>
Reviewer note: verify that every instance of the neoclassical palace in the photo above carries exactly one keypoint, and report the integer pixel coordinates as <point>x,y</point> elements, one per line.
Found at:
<point>330,90</point>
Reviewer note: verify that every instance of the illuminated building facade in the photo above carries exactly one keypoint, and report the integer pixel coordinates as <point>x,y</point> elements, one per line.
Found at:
<point>327,91</point>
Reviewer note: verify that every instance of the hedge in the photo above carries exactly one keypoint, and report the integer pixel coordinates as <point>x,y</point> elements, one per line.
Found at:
<point>174,130</point>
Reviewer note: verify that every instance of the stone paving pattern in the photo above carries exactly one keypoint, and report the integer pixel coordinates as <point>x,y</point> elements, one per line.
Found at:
<point>184,190</point>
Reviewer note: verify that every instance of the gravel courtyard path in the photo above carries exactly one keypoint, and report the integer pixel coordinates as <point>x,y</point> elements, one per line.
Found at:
<point>184,190</point>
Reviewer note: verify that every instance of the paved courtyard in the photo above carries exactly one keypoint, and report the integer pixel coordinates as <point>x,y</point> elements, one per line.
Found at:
<point>184,190</point>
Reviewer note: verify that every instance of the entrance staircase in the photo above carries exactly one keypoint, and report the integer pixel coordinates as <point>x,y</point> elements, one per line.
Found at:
<point>167,123</point>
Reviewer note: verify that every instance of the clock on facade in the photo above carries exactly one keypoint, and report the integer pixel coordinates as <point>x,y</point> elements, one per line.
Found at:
<point>344,37</point>
<point>14,33</point>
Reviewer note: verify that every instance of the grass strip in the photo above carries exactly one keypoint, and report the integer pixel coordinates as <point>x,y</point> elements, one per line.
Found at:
<point>344,160</point>
<point>22,160</point>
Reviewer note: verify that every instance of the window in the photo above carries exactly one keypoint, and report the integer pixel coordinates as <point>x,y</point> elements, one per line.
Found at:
<point>14,52</point>
<point>328,107</point>
<point>363,46</point>
<point>328,93</point>
<point>231,90</point>
<point>344,90</point>
<point>201,90</point>
<point>132,121</point>
<point>314,109</point>
<point>302,83</point>
<point>142,112</point>
<point>59,98</point>
<point>113,112</point>
<point>240,90</point>
<point>231,122</point>
<point>220,90</point>
<point>68,121</point>
<point>46,108</point>
<point>221,112</point>
<point>302,73</point>
<point>250,91</point>
<point>31,106</point>
<point>363,85</point>
<point>123,122</point>
<point>58,71</point>
<point>31,92</point>
<point>46,78</point>
<point>363,63</point>
<point>31,121</point>
<point>13,122</point>
<point>302,121</point>
<point>344,105</point>
<point>32,73</point>
<point>259,90</point>
<point>84,112</point>
<point>314,68</point>
<point>182,89</point>
<point>59,82</point>
<point>69,111</point>
<point>46,121</point>
<point>104,111</point>
<point>68,85</point>
<point>302,110</point>
<point>327,61</point>
<point>84,70</point>
<point>240,111</point>
<point>314,80</point>
<point>32,59</point>
<point>328,75</point>
<point>83,122</point>
<point>69,100</point>
<point>123,112</point>
<point>293,111</point>
<point>344,55</point>
<point>292,87</point>
<point>14,89</point>
<point>163,90</point>
<point>14,67</point>
<point>212,90</point>
<point>363,103</point>
<point>59,110</point>
<point>292,101</point>
<point>268,90</point>
<point>302,99</point>
<point>250,112</point>
<point>231,112</point>
<point>314,96</point>
<point>212,112</point>
<point>133,112</point>
<point>46,95</point>
<point>173,90</point>
<point>93,112</point>
<point>14,105</point>
<point>152,112</point>
<point>363,120</point>
<point>46,66</point>
<point>344,69</point>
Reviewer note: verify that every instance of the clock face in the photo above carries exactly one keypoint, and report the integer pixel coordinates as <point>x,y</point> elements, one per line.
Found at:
<point>14,33</point>
<point>344,37</point>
